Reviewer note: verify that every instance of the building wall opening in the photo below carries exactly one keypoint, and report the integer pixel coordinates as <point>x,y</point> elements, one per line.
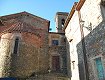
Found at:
<point>56,63</point>
<point>16,45</point>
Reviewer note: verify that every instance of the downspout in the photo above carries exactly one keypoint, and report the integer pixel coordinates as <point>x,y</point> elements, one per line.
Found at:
<point>83,47</point>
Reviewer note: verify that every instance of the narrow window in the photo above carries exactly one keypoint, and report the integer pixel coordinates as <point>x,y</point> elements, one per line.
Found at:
<point>16,45</point>
<point>63,22</point>
<point>73,64</point>
<point>99,68</point>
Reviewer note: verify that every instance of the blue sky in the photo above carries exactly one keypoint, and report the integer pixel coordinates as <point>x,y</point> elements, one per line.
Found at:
<point>43,8</point>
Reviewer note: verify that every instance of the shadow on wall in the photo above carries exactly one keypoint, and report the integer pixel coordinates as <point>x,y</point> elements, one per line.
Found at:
<point>94,44</point>
<point>68,60</point>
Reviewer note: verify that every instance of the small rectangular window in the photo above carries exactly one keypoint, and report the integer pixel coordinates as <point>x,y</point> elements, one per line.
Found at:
<point>73,64</point>
<point>55,42</point>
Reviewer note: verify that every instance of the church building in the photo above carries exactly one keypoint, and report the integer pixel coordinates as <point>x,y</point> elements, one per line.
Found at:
<point>28,49</point>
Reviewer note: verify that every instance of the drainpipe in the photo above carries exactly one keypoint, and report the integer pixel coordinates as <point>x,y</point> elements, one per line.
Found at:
<point>84,48</point>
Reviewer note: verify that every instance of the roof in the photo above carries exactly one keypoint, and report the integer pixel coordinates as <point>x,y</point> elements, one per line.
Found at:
<point>15,23</point>
<point>21,14</point>
<point>62,13</point>
<point>22,27</point>
<point>77,6</point>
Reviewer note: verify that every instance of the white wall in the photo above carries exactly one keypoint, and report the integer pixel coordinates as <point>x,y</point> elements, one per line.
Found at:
<point>91,13</point>
<point>73,32</point>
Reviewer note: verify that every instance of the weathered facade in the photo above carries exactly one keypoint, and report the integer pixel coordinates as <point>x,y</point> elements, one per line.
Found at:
<point>57,46</point>
<point>24,45</point>
<point>57,51</point>
<point>60,18</point>
<point>85,30</point>
<point>29,50</point>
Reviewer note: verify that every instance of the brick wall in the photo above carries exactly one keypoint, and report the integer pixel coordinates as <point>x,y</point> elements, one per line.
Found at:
<point>32,55</point>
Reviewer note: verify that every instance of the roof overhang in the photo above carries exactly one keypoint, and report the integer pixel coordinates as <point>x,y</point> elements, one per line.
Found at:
<point>77,6</point>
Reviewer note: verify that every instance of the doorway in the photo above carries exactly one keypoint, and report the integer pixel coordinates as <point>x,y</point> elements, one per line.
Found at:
<point>56,63</point>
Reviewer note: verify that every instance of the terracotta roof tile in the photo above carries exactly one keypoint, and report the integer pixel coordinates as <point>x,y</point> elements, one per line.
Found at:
<point>22,27</point>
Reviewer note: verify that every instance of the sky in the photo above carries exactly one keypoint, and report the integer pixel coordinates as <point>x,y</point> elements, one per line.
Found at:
<point>42,8</point>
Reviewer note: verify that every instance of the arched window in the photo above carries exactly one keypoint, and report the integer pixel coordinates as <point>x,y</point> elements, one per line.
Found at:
<point>16,45</point>
<point>63,22</point>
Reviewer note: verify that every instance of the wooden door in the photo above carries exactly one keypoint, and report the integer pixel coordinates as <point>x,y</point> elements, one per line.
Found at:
<point>56,63</point>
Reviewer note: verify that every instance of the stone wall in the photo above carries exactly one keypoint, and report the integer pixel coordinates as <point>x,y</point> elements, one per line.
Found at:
<point>92,14</point>
<point>5,56</point>
<point>6,51</point>
<point>94,43</point>
<point>73,35</point>
<point>58,50</point>
<point>32,55</point>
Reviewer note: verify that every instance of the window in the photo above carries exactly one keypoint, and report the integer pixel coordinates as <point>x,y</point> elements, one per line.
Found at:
<point>73,64</point>
<point>63,22</point>
<point>16,45</point>
<point>99,68</point>
<point>55,42</point>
